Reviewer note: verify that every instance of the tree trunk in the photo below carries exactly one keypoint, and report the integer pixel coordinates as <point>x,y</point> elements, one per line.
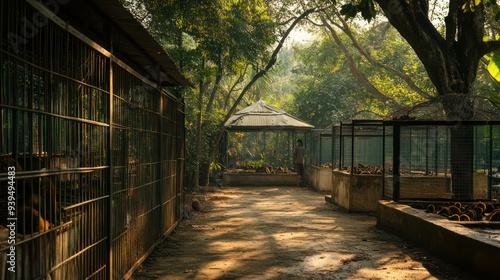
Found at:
<point>204,174</point>
<point>199,142</point>
<point>462,144</point>
<point>460,108</point>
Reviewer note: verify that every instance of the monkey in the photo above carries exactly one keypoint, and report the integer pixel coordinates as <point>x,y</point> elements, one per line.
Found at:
<point>36,198</point>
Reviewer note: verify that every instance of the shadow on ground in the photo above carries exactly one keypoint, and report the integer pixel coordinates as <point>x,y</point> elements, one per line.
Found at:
<point>286,233</point>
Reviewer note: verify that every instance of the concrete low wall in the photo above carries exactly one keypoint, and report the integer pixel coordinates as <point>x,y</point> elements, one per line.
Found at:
<point>320,178</point>
<point>422,186</point>
<point>448,239</point>
<point>435,187</point>
<point>357,193</point>
<point>259,179</point>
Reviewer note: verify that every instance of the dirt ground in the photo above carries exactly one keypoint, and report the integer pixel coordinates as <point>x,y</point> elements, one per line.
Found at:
<point>286,233</point>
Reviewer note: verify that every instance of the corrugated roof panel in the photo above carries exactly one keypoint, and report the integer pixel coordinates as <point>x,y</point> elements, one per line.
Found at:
<point>261,115</point>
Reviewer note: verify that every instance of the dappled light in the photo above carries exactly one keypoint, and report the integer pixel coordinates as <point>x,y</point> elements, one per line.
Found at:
<point>284,233</point>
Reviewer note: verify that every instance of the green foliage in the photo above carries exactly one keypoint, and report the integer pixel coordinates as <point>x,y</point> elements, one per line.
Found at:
<point>327,92</point>
<point>215,166</point>
<point>494,66</point>
<point>491,13</point>
<point>325,88</point>
<point>259,148</point>
<point>252,164</point>
<point>364,7</point>
<point>214,42</point>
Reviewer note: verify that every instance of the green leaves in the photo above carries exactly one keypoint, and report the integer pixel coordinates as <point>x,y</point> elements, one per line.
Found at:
<point>365,7</point>
<point>494,66</point>
<point>349,10</point>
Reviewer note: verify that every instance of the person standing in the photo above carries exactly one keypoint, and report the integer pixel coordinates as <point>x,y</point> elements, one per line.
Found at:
<point>298,161</point>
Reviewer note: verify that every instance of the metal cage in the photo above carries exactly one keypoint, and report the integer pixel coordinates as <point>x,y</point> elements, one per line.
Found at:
<point>92,150</point>
<point>321,148</point>
<point>443,160</point>
<point>358,146</point>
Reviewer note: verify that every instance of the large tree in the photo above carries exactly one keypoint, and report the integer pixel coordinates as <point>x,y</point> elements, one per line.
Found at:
<point>451,59</point>
<point>224,47</point>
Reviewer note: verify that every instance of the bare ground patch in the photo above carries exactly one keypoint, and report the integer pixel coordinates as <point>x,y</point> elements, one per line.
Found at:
<point>286,233</point>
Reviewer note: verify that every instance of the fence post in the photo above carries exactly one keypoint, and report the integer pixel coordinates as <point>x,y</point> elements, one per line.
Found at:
<point>110,172</point>
<point>396,153</point>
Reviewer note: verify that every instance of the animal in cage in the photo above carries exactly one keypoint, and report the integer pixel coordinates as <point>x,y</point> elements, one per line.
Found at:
<point>30,221</point>
<point>37,207</point>
<point>64,160</point>
<point>40,194</point>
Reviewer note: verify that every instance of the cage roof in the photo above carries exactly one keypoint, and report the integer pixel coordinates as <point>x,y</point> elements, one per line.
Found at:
<point>134,45</point>
<point>482,108</point>
<point>261,115</point>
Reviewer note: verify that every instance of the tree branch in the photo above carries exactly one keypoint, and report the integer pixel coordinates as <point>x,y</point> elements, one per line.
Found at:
<point>492,46</point>
<point>357,74</point>
<point>218,78</point>
<point>374,62</point>
<point>270,63</point>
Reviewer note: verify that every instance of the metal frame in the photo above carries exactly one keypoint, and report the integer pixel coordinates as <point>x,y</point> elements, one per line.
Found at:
<point>397,126</point>
<point>98,146</point>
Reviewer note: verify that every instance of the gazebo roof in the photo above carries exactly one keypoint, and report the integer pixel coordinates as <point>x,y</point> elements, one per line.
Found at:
<point>261,115</point>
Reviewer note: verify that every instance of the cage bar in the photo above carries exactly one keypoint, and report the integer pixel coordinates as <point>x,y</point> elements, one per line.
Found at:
<point>97,143</point>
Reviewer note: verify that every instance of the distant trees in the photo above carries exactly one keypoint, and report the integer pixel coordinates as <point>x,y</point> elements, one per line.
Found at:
<point>225,47</point>
<point>328,91</point>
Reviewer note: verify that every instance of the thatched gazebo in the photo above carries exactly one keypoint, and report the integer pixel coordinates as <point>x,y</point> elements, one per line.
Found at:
<point>261,139</point>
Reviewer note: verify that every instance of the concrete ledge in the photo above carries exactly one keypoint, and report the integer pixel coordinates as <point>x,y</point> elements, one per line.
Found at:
<point>357,192</point>
<point>320,178</point>
<point>447,239</point>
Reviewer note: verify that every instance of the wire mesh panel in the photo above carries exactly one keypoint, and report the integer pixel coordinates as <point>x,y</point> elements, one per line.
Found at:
<point>360,147</point>
<point>388,162</point>
<point>136,139</point>
<point>495,161</point>
<point>321,148</point>
<point>442,160</point>
<point>92,153</point>
<point>336,152</point>
<point>255,150</point>
<point>53,110</point>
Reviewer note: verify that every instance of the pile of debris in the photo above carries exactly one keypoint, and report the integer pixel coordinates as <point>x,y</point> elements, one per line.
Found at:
<point>274,169</point>
<point>363,169</point>
<point>457,211</point>
<point>327,165</point>
<point>404,171</point>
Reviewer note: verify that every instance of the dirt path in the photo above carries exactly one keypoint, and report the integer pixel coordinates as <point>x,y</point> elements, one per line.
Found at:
<point>286,233</point>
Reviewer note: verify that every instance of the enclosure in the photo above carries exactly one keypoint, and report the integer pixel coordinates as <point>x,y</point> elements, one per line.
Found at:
<point>257,150</point>
<point>321,150</point>
<point>419,160</point>
<point>358,156</point>
<point>260,139</point>
<point>358,146</point>
<point>319,167</point>
<point>92,143</point>
<point>442,198</point>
